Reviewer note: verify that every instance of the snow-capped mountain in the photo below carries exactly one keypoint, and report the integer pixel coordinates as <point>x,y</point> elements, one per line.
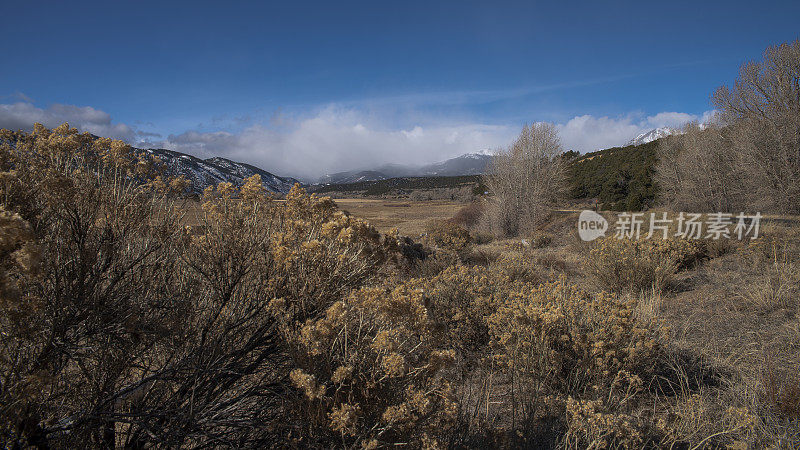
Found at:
<point>467,164</point>
<point>209,172</point>
<point>652,135</point>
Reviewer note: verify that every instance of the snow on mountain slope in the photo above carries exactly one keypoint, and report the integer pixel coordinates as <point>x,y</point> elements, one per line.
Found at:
<point>352,177</point>
<point>209,172</point>
<point>652,135</point>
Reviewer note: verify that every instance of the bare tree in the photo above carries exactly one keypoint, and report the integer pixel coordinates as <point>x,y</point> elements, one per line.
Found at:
<point>752,159</point>
<point>762,112</point>
<point>698,172</point>
<point>525,180</point>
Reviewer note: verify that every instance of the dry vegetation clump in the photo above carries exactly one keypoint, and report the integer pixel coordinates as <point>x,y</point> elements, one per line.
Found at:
<point>480,238</point>
<point>132,330</point>
<point>777,284</point>
<point>459,299</point>
<point>480,256</point>
<point>437,261</point>
<point>781,389</point>
<point>447,234</point>
<point>525,181</point>
<point>319,254</point>
<point>539,239</point>
<point>702,420</point>
<point>518,266</point>
<point>470,215</point>
<point>627,265</point>
<point>572,353</point>
<point>741,315</point>
<point>371,372</point>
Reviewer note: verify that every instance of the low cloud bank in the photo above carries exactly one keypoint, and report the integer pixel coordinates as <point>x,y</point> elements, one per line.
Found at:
<point>336,139</point>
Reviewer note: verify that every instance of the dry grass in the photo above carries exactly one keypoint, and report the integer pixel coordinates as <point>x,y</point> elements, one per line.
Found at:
<point>740,311</point>
<point>409,217</point>
<point>733,350</point>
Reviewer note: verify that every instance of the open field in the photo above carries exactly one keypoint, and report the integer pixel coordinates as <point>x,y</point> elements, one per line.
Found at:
<point>409,217</point>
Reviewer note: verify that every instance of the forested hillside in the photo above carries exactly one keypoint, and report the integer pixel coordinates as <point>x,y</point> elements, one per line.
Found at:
<point>620,178</point>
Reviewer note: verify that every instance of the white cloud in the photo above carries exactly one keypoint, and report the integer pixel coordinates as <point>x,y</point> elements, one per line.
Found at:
<point>670,119</point>
<point>339,138</point>
<point>22,115</point>
<point>588,133</point>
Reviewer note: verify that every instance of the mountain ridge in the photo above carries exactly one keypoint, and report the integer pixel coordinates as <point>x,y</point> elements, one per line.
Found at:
<point>466,164</point>
<point>203,173</point>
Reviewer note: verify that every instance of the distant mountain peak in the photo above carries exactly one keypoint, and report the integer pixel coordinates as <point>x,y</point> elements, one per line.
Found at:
<point>652,135</point>
<point>466,164</point>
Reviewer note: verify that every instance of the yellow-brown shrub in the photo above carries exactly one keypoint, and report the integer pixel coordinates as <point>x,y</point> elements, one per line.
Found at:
<point>318,253</point>
<point>625,265</point>
<point>459,299</point>
<point>448,235</point>
<point>539,239</point>
<point>372,372</point>
<point>591,425</point>
<point>138,315</point>
<point>470,215</point>
<point>517,266</point>
<point>557,341</point>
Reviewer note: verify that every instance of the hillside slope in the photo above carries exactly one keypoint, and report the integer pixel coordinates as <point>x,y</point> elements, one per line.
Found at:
<point>620,178</point>
<point>209,172</point>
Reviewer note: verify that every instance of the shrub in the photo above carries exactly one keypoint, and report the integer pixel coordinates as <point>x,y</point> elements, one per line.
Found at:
<point>469,215</point>
<point>775,245</point>
<point>132,330</point>
<point>566,348</point>
<point>318,253</point>
<point>517,266</point>
<point>592,424</point>
<point>697,421</point>
<point>435,263</point>
<point>539,239</point>
<point>459,299</point>
<point>553,263</point>
<point>482,257</point>
<point>625,265</point>
<point>480,238</point>
<point>372,370</point>
<point>781,390</point>
<point>449,235</point>
<point>94,317</point>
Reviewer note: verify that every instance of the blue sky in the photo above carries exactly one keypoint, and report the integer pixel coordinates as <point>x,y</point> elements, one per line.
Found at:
<point>305,88</point>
